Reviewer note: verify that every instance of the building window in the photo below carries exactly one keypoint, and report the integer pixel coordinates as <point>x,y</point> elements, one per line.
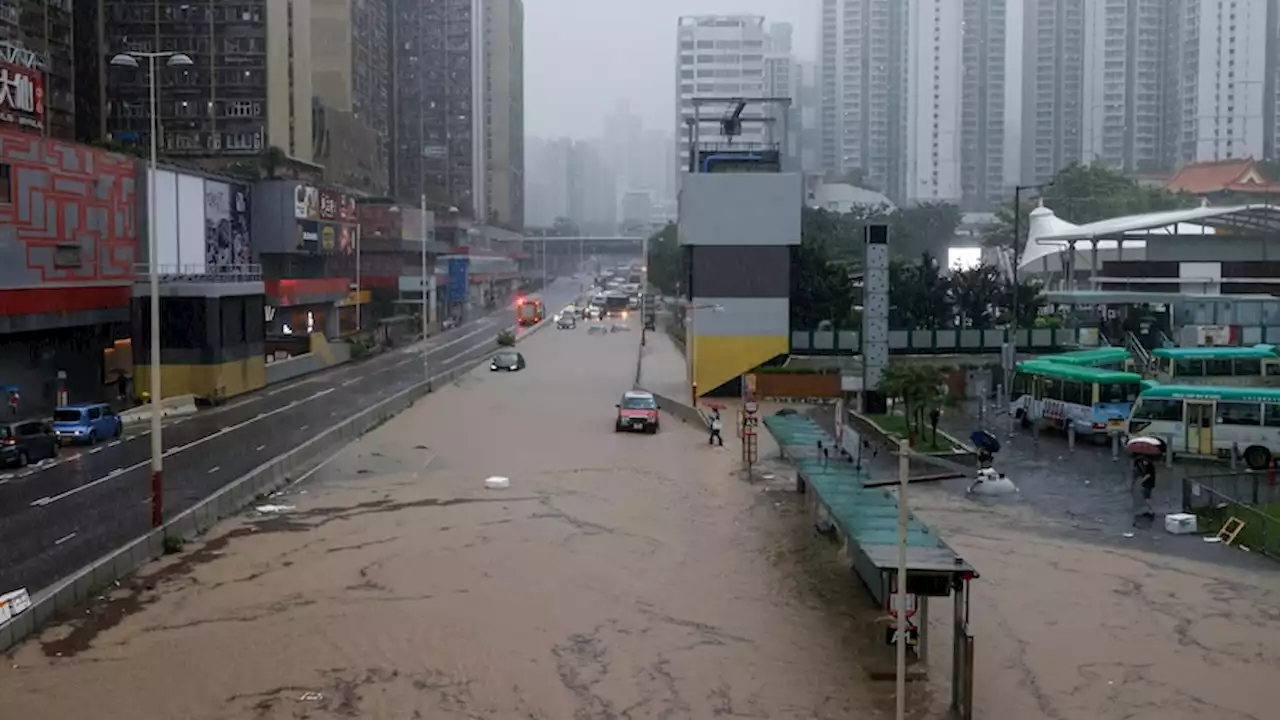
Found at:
<point>66,256</point>
<point>6,183</point>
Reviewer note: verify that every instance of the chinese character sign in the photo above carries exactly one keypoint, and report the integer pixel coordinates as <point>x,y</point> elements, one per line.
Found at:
<point>21,96</point>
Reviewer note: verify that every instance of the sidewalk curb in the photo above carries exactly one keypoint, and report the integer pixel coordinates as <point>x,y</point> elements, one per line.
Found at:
<point>681,411</point>
<point>90,580</point>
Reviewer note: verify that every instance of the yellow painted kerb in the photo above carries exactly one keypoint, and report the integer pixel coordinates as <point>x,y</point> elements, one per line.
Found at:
<point>717,359</point>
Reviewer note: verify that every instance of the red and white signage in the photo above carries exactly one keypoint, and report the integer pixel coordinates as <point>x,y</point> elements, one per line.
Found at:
<point>21,96</point>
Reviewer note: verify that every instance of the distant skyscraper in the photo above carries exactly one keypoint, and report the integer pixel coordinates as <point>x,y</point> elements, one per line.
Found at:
<point>1127,81</point>
<point>863,65</point>
<point>935,83</point>
<point>782,80</point>
<point>547,180</point>
<point>592,189</point>
<point>1052,86</point>
<point>718,56</point>
<point>1229,91</point>
<point>984,96</point>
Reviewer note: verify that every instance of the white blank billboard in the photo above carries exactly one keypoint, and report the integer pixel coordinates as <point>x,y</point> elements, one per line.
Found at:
<point>165,218</point>
<point>190,212</point>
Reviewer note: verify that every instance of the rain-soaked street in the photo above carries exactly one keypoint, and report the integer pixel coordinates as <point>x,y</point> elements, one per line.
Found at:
<point>620,576</point>
<point>635,576</point>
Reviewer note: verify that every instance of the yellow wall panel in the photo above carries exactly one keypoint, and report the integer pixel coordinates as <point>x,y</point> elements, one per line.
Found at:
<point>236,377</point>
<point>717,359</point>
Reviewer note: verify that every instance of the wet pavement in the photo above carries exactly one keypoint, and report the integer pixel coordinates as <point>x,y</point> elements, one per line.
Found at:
<point>58,517</point>
<point>619,576</point>
<point>1080,612</point>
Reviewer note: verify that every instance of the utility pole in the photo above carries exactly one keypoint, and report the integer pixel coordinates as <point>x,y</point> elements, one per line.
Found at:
<point>904,474</point>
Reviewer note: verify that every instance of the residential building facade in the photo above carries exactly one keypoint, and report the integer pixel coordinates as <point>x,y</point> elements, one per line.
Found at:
<point>984,96</point>
<point>719,56</point>
<point>351,77</point>
<point>1053,96</point>
<point>249,87</point>
<point>37,42</point>
<point>863,54</point>
<point>501,120</point>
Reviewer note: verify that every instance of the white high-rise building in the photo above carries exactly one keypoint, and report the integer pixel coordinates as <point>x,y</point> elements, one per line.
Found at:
<point>935,80</point>
<point>1225,93</point>
<point>1128,77</point>
<point>863,64</point>
<point>782,80</point>
<point>1052,86</point>
<point>984,99</point>
<point>547,189</point>
<point>719,56</point>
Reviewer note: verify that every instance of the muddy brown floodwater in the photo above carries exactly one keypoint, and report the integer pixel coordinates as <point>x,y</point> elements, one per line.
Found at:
<point>623,577</point>
<point>620,576</point>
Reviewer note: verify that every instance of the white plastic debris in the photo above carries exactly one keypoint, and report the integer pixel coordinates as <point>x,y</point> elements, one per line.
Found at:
<point>990,482</point>
<point>1180,523</point>
<point>1128,535</point>
<point>269,509</point>
<point>311,697</point>
<point>497,483</point>
<point>1212,539</point>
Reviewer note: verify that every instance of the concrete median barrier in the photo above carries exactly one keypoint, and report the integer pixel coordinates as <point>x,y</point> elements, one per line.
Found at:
<point>176,406</point>
<point>88,582</point>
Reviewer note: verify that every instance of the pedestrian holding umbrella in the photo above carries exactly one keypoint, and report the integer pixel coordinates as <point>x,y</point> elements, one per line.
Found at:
<point>1144,445</point>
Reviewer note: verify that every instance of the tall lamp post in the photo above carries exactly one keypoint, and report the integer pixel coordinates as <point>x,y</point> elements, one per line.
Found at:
<point>130,60</point>
<point>1017,251</point>
<point>690,312</point>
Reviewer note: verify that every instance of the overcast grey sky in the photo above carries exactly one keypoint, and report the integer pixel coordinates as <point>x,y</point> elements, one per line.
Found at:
<point>584,56</point>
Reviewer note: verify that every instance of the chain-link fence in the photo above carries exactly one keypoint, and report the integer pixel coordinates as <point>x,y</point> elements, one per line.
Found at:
<point>1250,497</point>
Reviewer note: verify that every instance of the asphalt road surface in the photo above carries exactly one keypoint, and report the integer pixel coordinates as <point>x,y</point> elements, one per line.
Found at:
<point>62,515</point>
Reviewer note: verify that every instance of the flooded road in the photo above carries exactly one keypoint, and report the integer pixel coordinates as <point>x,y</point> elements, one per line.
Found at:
<point>619,576</point>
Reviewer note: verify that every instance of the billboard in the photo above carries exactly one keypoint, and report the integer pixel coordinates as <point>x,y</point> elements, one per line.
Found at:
<point>226,225</point>
<point>306,202</point>
<point>190,219</point>
<point>458,280</point>
<point>21,96</point>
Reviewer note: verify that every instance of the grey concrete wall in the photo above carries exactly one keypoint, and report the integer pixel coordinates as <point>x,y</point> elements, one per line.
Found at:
<point>740,209</point>
<point>273,226</point>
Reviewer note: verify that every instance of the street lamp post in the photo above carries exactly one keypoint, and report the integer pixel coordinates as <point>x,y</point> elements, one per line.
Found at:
<point>172,59</point>
<point>692,350</point>
<point>1017,250</point>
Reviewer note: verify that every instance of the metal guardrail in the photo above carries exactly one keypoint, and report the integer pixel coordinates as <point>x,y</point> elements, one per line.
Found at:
<point>1212,507</point>
<point>201,273</point>
<point>947,340</point>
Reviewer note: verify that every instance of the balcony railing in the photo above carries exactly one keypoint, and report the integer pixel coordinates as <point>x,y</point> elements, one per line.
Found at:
<point>249,272</point>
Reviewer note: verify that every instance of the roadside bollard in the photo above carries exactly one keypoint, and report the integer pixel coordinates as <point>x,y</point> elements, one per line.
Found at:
<point>1168,451</point>
<point>1071,437</point>
<point>1115,447</point>
<point>1035,430</point>
<point>1235,455</point>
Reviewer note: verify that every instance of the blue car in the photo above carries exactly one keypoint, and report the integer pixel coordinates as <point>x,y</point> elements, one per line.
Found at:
<point>86,423</point>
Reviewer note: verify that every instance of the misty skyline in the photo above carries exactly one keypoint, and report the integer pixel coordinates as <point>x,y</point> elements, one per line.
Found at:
<point>584,57</point>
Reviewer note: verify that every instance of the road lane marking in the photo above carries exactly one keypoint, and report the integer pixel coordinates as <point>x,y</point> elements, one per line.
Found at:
<point>114,443</point>
<point>200,441</point>
<point>26,473</point>
<point>214,469</point>
<point>351,381</point>
<point>63,539</point>
<point>96,450</point>
<point>304,427</point>
<point>259,448</point>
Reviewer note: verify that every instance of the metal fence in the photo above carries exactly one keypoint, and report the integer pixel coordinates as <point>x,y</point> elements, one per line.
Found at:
<point>1250,497</point>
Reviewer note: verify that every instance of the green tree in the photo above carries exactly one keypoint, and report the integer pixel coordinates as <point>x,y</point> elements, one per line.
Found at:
<point>976,294</point>
<point>820,289</point>
<point>918,294</point>
<point>1083,194</point>
<point>1031,300</point>
<point>919,388</point>
<point>666,260</point>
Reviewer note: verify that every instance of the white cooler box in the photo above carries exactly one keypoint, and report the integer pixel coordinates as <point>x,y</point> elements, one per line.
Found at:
<point>13,603</point>
<point>1180,523</point>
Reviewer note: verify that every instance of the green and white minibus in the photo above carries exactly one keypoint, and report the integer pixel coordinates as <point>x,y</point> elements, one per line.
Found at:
<point>1093,400</point>
<point>1228,365</point>
<point>1106,358</point>
<point>1206,420</point>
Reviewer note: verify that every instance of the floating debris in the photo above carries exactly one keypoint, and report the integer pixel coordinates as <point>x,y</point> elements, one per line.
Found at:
<point>497,483</point>
<point>270,509</point>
